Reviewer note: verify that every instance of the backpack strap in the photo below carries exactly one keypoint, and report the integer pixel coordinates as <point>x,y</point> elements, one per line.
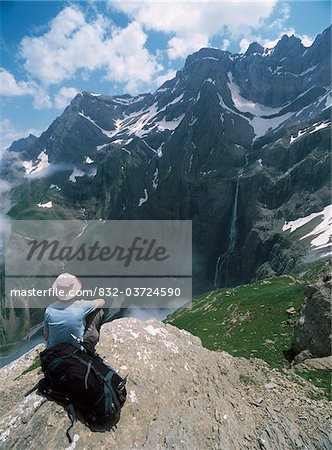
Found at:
<point>33,389</point>
<point>72,416</point>
<point>52,394</point>
<point>87,374</point>
<point>110,389</point>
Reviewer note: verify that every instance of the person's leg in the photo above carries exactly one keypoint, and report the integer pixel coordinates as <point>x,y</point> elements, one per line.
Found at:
<point>92,328</point>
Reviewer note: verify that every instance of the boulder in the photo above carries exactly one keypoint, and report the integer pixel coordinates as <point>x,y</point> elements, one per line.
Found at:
<point>315,364</point>
<point>180,395</point>
<point>312,331</point>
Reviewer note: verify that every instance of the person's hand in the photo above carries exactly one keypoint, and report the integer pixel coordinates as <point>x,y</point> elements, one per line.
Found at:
<point>100,302</point>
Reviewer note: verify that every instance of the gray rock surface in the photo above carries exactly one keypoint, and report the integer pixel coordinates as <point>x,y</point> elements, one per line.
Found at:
<point>180,396</point>
<point>313,329</point>
<point>315,363</point>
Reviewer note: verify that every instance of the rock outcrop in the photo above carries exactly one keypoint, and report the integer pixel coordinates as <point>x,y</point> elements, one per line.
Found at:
<point>180,395</point>
<point>312,333</point>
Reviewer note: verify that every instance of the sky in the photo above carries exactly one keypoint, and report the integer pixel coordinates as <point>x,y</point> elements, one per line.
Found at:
<point>51,50</point>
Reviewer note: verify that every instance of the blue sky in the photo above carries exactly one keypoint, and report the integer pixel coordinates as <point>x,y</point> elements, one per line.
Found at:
<point>50,50</point>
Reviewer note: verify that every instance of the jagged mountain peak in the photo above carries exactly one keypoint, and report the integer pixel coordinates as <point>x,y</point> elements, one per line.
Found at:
<point>212,82</point>
<point>206,55</point>
<point>287,41</point>
<point>324,36</point>
<point>288,47</point>
<point>254,47</point>
<point>23,144</point>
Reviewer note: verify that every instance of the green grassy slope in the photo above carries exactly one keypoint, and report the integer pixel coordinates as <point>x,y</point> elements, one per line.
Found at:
<point>250,321</point>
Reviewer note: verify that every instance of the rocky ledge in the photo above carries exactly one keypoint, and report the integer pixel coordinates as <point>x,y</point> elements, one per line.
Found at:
<point>180,395</point>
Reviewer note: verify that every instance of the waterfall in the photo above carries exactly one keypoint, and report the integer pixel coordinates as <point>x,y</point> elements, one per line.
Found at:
<point>216,272</point>
<point>287,266</point>
<point>233,228</point>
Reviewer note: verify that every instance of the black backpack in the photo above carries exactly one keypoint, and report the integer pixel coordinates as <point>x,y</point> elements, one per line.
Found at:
<point>83,383</point>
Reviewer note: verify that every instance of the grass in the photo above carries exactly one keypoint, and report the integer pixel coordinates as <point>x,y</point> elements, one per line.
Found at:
<point>320,378</point>
<point>247,379</point>
<point>35,365</point>
<point>310,270</point>
<point>250,321</point>
<point>27,196</point>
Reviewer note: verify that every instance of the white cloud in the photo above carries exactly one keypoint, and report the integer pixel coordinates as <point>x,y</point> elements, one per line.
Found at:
<point>167,76</point>
<point>74,44</point>
<point>284,12</point>
<point>306,40</point>
<point>64,96</point>
<point>225,44</point>
<point>41,98</point>
<point>179,47</point>
<point>244,44</point>
<point>194,23</point>
<point>9,133</point>
<point>128,60</point>
<point>10,87</point>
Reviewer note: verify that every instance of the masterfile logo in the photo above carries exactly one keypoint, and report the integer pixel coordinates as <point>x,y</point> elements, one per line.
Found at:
<point>133,263</point>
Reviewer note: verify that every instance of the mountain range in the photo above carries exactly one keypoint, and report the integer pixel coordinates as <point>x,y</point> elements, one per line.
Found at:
<point>238,143</point>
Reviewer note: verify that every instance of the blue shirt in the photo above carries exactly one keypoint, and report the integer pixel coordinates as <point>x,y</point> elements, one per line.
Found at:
<point>65,317</point>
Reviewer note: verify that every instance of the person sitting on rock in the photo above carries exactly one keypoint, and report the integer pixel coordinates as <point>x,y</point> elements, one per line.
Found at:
<point>71,315</point>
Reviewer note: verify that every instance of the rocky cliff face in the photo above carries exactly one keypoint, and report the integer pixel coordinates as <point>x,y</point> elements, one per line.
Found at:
<point>312,333</point>
<point>180,396</point>
<point>239,143</point>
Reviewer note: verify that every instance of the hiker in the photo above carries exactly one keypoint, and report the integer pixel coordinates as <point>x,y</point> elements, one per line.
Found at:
<point>71,315</point>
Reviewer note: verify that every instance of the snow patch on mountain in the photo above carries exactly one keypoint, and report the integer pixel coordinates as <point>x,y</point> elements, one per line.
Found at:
<point>143,199</point>
<point>169,124</point>
<point>328,101</point>
<point>155,179</point>
<point>76,173</point>
<point>128,101</point>
<point>159,150</point>
<point>317,126</point>
<point>265,118</point>
<point>40,164</point>
<point>262,125</point>
<point>299,134</point>
<point>321,234</point>
<point>88,160</point>
<point>45,205</point>
<point>211,57</point>
<point>55,186</point>
<point>136,122</point>
<point>100,147</point>
<point>147,122</point>
<point>173,102</point>
<point>209,80</point>
<point>190,163</point>
<point>247,106</point>
<point>320,127</point>
<point>105,132</point>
